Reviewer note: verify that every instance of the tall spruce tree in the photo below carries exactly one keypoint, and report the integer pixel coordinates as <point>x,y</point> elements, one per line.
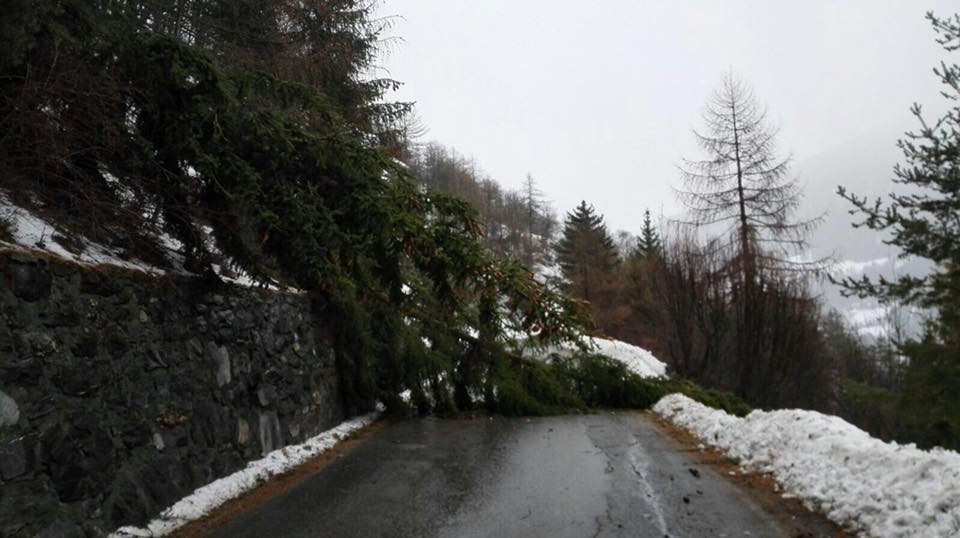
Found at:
<point>925,222</point>
<point>586,253</point>
<point>648,242</point>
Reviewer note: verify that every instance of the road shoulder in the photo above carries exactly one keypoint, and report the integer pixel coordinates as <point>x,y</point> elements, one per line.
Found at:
<point>233,508</point>
<point>763,489</point>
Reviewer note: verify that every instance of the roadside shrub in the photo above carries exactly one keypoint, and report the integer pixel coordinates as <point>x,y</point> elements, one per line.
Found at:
<point>534,388</point>
<point>604,382</point>
<point>557,386</point>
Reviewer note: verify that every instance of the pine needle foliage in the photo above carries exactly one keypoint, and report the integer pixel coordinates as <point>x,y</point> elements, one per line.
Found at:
<point>246,129</point>
<point>249,131</point>
<point>925,222</point>
<point>648,242</point>
<point>586,253</point>
<point>604,382</point>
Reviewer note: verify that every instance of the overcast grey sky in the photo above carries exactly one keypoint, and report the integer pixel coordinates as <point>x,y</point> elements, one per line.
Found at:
<point>597,99</point>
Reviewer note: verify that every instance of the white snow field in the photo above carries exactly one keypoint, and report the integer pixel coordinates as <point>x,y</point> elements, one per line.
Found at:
<point>206,498</point>
<point>866,485</point>
<point>637,359</point>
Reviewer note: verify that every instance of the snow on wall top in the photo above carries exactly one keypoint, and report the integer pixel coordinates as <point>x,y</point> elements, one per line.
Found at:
<point>872,487</point>
<point>35,234</point>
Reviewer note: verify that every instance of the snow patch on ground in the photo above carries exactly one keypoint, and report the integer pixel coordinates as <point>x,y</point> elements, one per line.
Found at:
<point>206,498</point>
<point>638,360</point>
<point>547,273</point>
<point>31,232</point>
<point>864,484</point>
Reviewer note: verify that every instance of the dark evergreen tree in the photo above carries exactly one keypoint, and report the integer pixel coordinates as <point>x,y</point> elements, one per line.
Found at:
<point>648,242</point>
<point>249,131</point>
<point>925,222</point>
<point>586,253</point>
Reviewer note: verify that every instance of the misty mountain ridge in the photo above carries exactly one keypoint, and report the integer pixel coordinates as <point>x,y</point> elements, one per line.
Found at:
<point>863,166</point>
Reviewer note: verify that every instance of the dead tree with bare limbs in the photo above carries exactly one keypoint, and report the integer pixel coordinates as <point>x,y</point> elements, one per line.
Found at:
<point>742,187</point>
<point>742,190</point>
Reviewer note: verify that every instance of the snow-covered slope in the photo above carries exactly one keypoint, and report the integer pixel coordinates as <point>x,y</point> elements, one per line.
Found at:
<point>637,359</point>
<point>33,233</point>
<point>875,488</point>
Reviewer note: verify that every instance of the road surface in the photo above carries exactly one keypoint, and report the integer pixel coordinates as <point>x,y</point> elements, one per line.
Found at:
<point>602,475</point>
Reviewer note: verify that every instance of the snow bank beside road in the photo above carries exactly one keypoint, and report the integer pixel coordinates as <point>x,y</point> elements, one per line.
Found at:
<point>638,360</point>
<point>206,498</point>
<point>876,488</point>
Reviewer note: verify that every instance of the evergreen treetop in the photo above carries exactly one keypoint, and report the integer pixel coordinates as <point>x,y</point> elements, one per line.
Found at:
<point>586,251</point>
<point>925,222</point>
<point>648,242</point>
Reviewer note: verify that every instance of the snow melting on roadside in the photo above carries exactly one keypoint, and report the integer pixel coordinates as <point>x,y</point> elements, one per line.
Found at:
<point>206,498</point>
<point>638,360</point>
<point>872,487</point>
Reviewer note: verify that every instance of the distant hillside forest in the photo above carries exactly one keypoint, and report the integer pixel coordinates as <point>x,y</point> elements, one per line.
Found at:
<point>519,224</point>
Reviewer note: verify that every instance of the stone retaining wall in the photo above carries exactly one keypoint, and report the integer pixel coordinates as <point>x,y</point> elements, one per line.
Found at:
<point>120,393</point>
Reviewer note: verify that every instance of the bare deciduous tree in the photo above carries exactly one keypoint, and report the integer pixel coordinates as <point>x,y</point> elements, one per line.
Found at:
<point>743,189</point>
<point>742,185</point>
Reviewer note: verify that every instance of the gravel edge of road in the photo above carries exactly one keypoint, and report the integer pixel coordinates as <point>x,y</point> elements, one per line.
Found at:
<point>273,487</point>
<point>763,489</point>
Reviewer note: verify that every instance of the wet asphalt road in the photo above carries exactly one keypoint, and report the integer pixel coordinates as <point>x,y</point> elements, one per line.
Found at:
<point>599,475</point>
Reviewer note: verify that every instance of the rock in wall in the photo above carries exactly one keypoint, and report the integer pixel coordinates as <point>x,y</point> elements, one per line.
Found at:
<point>120,392</point>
